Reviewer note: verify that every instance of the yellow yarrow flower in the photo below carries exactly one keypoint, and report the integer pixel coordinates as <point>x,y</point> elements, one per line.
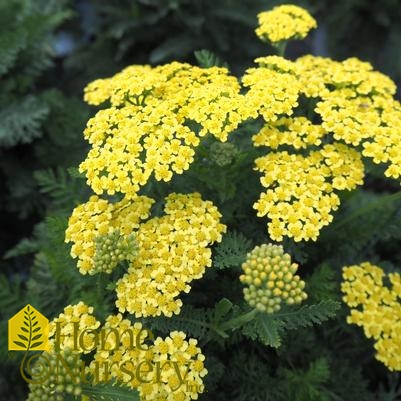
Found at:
<point>98,228</point>
<point>317,114</point>
<point>301,190</point>
<point>172,366</point>
<point>343,111</point>
<point>156,119</point>
<point>376,308</point>
<point>284,22</point>
<point>159,368</point>
<point>164,253</point>
<point>173,251</point>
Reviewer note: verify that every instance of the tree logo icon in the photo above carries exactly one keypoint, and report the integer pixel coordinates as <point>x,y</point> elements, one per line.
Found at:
<point>28,330</point>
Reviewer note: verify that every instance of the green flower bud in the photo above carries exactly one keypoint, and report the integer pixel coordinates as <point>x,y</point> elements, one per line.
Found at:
<point>113,248</point>
<point>269,277</point>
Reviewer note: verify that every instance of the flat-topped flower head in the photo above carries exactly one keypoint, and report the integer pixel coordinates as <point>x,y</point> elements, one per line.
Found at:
<point>283,23</point>
<point>164,254</point>
<point>102,232</point>
<point>174,249</point>
<point>155,120</point>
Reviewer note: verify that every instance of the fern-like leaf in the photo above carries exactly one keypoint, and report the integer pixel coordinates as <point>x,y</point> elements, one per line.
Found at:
<point>265,329</point>
<point>110,391</point>
<point>22,120</point>
<point>231,252</point>
<point>207,59</point>
<point>308,385</point>
<point>11,43</point>
<point>321,284</point>
<point>63,189</point>
<point>191,320</point>
<point>268,329</point>
<point>308,315</point>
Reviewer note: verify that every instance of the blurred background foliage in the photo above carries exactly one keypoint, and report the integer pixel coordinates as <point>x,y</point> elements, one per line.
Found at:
<point>50,49</point>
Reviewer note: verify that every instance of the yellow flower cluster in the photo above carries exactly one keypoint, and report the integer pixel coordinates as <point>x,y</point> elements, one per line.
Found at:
<point>168,369</point>
<point>300,195</point>
<point>375,307</point>
<point>316,111</point>
<point>64,323</point>
<point>358,109</point>
<point>98,226</point>
<point>155,121</point>
<point>270,279</point>
<point>173,251</point>
<point>272,88</point>
<point>56,383</point>
<point>168,253</point>
<point>283,23</point>
<point>298,132</point>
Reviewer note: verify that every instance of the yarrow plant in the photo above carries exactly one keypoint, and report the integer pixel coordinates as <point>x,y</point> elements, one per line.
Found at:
<point>320,119</point>
<point>163,139</point>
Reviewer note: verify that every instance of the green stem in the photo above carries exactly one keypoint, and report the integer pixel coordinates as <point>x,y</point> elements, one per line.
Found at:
<point>228,325</point>
<point>371,206</point>
<point>99,287</point>
<point>239,320</point>
<point>281,46</point>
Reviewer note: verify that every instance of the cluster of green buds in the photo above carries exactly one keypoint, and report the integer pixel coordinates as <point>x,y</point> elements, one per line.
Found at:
<point>59,384</point>
<point>223,153</point>
<point>113,248</point>
<point>270,278</point>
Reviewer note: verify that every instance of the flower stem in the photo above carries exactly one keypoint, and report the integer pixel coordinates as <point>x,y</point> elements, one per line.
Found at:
<point>281,46</point>
<point>239,320</point>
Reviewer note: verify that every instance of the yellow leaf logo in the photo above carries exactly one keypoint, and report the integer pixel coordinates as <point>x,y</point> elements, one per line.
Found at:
<point>28,330</point>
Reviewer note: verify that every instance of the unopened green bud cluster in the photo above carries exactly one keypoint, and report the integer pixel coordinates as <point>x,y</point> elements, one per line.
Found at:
<point>113,248</point>
<point>270,279</point>
<point>60,384</point>
<point>223,153</point>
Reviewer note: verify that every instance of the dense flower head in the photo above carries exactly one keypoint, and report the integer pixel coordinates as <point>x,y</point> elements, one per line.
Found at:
<point>376,307</point>
<point>64,324</point>
<point>169,369</point>
<point>301,190</point>
<point>164,254</point>
<point>177,362</point>
<point>321,117</point>
<point>173,251</point>
<point>284,22</point>
<point>102,232</point>
<point>270,279</point>
<point>113,248</point>
<point>155,120</point>
<point>273,88</point>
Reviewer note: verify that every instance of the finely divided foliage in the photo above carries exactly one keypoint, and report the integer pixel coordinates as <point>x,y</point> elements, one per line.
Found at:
<point>312,128</point>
